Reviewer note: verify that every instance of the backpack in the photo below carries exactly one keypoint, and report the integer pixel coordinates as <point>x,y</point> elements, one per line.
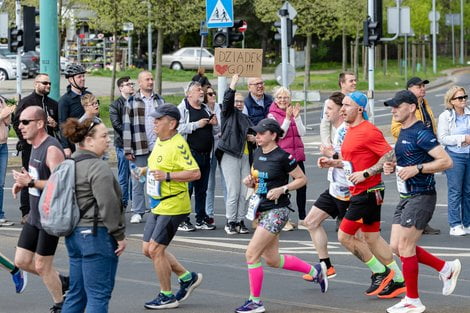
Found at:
<point>58,206</point>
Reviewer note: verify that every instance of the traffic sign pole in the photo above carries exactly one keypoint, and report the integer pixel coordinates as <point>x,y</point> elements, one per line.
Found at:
<point>284,48</point>
<point>434,38</point>
<point>49,43</point>
<point>19,72</point>
<point>371,66</point>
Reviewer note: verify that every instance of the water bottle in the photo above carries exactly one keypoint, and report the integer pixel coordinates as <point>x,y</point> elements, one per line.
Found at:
<point>135,170</point>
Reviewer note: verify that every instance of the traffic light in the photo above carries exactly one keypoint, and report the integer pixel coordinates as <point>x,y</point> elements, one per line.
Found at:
<point>371,32</point>
<point>31,30</point>
<point>290,37</point>
<point>15,39</point>
<point>225,37</point>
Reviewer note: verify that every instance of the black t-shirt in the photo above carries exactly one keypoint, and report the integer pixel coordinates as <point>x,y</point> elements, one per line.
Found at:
<point>272,170</point>
<point>201,139</point>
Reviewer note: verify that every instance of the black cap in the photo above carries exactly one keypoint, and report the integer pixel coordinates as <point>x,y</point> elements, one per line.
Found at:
<point>268,124</point>
<point>401,97</point>
<point>414,81</point>
<point>166,110</point>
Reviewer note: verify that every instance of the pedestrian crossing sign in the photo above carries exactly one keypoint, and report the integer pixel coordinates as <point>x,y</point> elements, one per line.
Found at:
<point>219,13</point>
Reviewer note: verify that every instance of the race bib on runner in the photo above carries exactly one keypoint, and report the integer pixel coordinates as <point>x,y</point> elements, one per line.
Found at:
<point>348,170</point>
<point>253,205</point>
<point>153,186</point>
<point>401,184</point>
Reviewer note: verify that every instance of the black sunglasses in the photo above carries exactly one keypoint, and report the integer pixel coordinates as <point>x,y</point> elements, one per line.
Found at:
<point>94,122</point>
<point>26,122</point>
<point>210,94</point>
<point>460,98</point>
<point>45,83</point>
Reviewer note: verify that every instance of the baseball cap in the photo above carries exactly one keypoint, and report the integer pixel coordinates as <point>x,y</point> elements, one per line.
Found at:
<point>268,124</point>
<point>413,81</point>
<point>166,110</point>
<point>401,97</point>
<point>361,100</point>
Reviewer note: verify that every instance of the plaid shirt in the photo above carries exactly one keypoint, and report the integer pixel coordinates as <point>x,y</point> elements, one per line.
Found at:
<point>134,137</point>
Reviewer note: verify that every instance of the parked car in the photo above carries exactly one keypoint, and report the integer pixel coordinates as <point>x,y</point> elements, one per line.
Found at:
<point>30,59</point>
<point>188,58</point>
<point>8,69</point>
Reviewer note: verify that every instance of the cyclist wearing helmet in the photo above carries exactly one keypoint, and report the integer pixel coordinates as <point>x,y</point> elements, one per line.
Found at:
<point>70,104</point>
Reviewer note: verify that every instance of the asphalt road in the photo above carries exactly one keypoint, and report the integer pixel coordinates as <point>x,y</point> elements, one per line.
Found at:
<point>221,259</point>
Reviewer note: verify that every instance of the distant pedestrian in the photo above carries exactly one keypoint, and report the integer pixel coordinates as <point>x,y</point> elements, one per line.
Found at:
<point>201,78</point>
<point>257,102</point>
<point>91,105</point>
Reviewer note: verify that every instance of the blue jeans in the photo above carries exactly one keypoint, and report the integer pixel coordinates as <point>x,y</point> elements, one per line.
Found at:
<point>123,174</point>
<point>458,189</point>
<point>211,186</point>
<point>199,186</point>
<point>93,266</point>
<point>3,172</point>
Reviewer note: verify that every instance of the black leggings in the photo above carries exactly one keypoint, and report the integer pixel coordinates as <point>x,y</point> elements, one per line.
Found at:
<point>301,195</point>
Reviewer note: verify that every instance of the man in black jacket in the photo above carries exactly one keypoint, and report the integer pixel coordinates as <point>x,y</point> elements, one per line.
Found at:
<point>39,97</point>
<point>116,111</point>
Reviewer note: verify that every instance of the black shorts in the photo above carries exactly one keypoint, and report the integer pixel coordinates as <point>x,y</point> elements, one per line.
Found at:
<point>37,240</point>
<point>162,228</point>
<point>364,207</point>
<point>329,204</point>
<point>416,211</point>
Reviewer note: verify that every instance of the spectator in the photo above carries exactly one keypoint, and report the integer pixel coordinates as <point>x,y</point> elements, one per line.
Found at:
<point>232,151</point>
<point>116,112</point>
<point>257,102</point>
<point>289,118</point>
<point>138,135</point>
<point>91,105</point>
<point>210,97</point>
<point>454,134</point>
<point>201,78</point>
<point>5,119</point>
<point>196,126</point>
<point>98,240</point>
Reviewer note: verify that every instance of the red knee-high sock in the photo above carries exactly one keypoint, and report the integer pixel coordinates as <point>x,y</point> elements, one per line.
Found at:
<point>410,272</point>
<point>428,259</point>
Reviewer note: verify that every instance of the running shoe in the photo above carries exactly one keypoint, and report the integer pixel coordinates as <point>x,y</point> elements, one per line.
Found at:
<point>320,277</point>
<point>162,302</point>
<point>450,280</point>
<point>186,226</point>
<point>380,281</point>
<point>187,287</point>
<point>20,279</point>
<point>204,226</point>
<point>242,229</point>
<point>251,306</point>
<point>330,272</point>
<point>231,228</point>
<point>136,218</point>
<point>407,305</point>
<point>392,290</point>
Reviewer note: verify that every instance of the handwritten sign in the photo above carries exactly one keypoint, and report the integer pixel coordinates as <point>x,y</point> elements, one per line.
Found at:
<point>245,62</point>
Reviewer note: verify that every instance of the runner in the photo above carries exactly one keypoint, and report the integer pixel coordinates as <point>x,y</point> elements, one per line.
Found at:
<point>20,278</point>
<point>418,157</point>
<point>270,178</point>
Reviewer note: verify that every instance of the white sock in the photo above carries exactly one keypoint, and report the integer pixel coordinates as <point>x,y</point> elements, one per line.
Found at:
<point>446,270</point>
<point>413,300</point>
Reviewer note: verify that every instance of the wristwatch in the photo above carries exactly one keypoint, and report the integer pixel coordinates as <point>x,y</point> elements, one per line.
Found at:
<point>365,174</point>
<point>168,178</point>
<point>336,156</point>
<point>285,189</point>
<point>31,183</point>
<point>420,168</point>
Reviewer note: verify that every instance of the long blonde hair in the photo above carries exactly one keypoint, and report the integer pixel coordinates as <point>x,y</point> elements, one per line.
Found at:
<point>450,94</point>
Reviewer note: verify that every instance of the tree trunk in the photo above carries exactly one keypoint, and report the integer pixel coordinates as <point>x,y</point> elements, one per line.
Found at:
<point>356,55</point>
<point>308,49</point>
<point>385,59</point>
<point>351,48</point>
<point>158,69</point>
<point>344,45</point>
<point>400,68</point>
<point>423,52</point>
<point>113,75</point>
<point>365,62</point>
<point>378,56</point>
<point>413,57</point>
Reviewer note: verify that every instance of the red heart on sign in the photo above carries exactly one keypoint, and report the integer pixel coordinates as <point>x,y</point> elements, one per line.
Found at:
<point>221,69</point>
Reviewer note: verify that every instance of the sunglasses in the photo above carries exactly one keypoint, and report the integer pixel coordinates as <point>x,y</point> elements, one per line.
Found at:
<point>461,98</point>
<point>211,94</point>
<point>26,122</point>
<point>45,83</point>
<point>94,122</point>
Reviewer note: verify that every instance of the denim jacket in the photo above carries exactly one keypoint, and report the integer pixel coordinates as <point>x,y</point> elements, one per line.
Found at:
<point>445,127</point>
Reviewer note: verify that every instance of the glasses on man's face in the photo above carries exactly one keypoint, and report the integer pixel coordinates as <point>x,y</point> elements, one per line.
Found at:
<point>45,83</point>
<point>128,84</point>
<point>461,98</point>
<point>257,84</point>
<point>211,94</point>
<point>26,122</point>
<point>94,104</point>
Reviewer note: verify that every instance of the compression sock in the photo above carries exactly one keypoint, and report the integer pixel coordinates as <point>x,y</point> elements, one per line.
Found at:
<point>428,259</point>
<point>166,293</point>
<point>186,276</point>
<point>293,263</point>
<point>375,265</point>
<point>255,276</point>
<point>398,274</point>
<point>327,262</point>
<point>410,273</point>
<point>6,263</point>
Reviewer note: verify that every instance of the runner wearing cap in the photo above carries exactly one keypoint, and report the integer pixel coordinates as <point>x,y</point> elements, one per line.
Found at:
<point>170,167</point>
<point>269,176</point>
<point>364,151</point>
<point>418,157</point>
<point>423,113</point>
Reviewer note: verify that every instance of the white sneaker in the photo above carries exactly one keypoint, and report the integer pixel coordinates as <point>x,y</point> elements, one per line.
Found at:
<point>136,218</point>
<point>457,231</point>
<point>450,279</point>
<point>467,230</point>
<point>407,305</point>
<point>289,226</point>
<point>5,222</point>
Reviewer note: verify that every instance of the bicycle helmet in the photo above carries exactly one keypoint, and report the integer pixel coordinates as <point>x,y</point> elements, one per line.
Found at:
<point>74,69</point>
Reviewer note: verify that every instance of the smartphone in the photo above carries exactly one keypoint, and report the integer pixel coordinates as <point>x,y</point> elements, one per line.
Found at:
<point>211,116</point>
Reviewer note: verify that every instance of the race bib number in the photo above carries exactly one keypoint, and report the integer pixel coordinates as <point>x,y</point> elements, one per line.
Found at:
<point>153,186</point>
<point>348,170</point>
<point>253,205</point>
<point>401,184</point>
<point>33,172</point>
<point>330,175</point>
